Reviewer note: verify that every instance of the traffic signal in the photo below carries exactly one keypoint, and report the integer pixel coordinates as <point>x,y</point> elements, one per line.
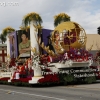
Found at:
<point>98,30</point>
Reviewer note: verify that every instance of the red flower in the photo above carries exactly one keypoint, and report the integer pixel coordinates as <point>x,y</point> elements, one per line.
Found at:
<point>12,62</point>
<point>51,78</point>
<point>26,80</point>
<point>4,79</point>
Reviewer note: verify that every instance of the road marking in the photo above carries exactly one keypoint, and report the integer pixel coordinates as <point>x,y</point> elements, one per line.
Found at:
<point>32,94</point>
<point>87,88</point>
<point>81,87</point>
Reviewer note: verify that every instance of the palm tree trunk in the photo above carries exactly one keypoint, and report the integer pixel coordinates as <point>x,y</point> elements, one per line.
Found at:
<point>8,45</point>
<point>33,36</point>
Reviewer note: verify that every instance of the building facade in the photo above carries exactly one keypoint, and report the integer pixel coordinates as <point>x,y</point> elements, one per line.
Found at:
<point>3,53</point>
<point>93,43</point>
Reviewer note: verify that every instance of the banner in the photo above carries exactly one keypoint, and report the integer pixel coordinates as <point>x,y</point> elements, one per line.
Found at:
<point>13,45</point>
<point>24,46</point>
<point>46,33</point>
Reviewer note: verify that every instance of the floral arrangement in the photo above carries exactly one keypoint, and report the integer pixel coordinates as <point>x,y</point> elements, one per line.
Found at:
<point>12,62</point>
<point>36,60</point>
<point>4,79</point>
<point>49,78</point>
<point>74,54</point>
<point>79,54</point>
<point>26,80</point>
<point>97,58</point>
<point>61,17</point>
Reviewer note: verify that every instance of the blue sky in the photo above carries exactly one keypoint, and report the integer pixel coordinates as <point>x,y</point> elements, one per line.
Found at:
<point>84,12</point>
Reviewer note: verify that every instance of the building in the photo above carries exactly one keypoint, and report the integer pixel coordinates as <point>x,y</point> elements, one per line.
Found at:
<point>3,53</point>
<point>93,43</point>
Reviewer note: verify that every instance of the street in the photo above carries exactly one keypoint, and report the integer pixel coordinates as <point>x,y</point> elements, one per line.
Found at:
<point>71,92</point>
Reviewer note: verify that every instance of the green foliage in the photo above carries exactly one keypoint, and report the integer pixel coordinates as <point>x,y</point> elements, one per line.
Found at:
<point>3,38</point>
<point>90,80</point>
<point>17,83</point>
<point>4,82</point>
<point>32,16</point>
<point>20,84</point>
<point>7,30</point>
<point>69,78</point>
<point>66,78</point>
<point>61,17</point>
<point>48,84</point>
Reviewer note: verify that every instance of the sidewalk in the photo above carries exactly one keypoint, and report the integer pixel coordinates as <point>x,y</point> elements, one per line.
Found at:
<point>90,86</point>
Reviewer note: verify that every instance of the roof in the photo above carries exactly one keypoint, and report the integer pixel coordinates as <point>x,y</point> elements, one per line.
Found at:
<point>3,45</point>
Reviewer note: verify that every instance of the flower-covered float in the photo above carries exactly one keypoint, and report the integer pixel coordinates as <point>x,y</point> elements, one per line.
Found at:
<point>67,62</point>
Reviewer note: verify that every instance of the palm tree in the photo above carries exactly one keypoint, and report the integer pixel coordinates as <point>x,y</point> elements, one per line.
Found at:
<point>5,33</point>
<point>31,17</point>
<point>30,20</point>
<point>62,17</point>
<point>24,28</point>
<point>3,38</point>
<point>7,30</point>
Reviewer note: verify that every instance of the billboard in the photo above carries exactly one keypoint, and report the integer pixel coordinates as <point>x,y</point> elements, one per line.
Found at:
<point>24,46</point>
<point>13,45</point>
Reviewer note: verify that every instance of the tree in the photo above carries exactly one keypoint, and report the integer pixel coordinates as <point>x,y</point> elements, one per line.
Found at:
<point>7,30</point>
<point>3,38</point>
<point>30,20</point>
<point>62,17</point>
<point>31,17</point>
<point>24,28</point>
<point>98,29</point>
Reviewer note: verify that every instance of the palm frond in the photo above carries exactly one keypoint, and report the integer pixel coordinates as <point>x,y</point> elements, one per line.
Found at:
<point>61,17</point>
<point>31,16</point>
<point>24,28</point>
<point>7,30</point>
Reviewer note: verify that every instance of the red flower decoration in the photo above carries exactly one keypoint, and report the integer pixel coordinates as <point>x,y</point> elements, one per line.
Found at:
<point>50,78</point>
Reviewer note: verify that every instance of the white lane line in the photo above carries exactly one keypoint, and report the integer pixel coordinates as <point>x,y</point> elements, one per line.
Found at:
<point>32,94</point>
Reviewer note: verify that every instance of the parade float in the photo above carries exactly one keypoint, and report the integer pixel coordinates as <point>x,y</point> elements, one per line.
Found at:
<point>66,62</point>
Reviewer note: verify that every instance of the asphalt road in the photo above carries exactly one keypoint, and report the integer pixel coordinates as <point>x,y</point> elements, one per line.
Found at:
<point>75,92</point>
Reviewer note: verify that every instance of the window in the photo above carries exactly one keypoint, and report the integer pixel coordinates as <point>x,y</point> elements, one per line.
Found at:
<point>5,51</point>
<point>0,58</point>
<point>0,51</point>
<point>5,58</point>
